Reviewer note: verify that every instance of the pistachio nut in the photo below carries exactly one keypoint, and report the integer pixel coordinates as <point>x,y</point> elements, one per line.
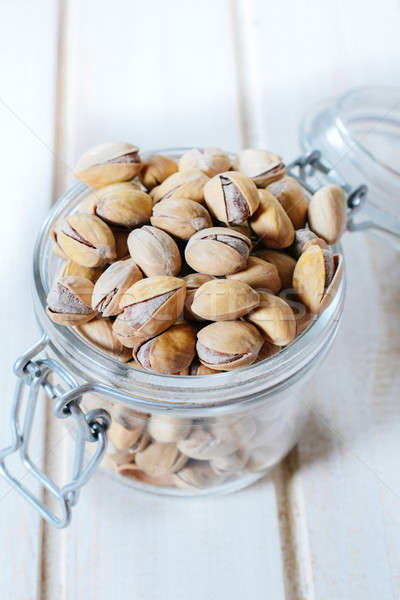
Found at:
<point>149,306</point>
<point>224,300</point>
<point>112,285</point>
<point>316,277</point>
<point>164,428</point>
<point>193,282</point>
<point>209,160</point>
<point>196,368</point>
<point>132,471</point>
<point>327,213</point>
<point>72,268</point>
<point>261,166</point>
<point>275,318</point>
<point>108,163</point>
<point>69,301</point>
<point>132,440</point>
<point>231,197</point>
<point>156,169</point>
<point>303,239</point>
<point>259,274</point>
<point>292,196</point>
<point>170,352</point>
<point>196,476</point>
<point>217,251</point>
<point>154,251</point>
<point>120,204</point>
<point>283,262</point>
<point>160,459</point>
<point>271,223</point>
<point>183,184</point>
<point>204,445</point>
<point>87,240</point>
<point>229,465</point>
<point>227,345</point>
<point>180,217</point>
<point>100,333</point>
<point>121,242</point>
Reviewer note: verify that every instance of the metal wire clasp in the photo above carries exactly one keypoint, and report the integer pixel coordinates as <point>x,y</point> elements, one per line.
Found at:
<point>33,375</point>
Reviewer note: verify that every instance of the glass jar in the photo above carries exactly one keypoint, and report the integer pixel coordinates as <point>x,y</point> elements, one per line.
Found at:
<point>188,435</point>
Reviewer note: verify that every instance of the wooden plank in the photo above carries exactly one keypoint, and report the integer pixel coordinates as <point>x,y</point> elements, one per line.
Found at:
<point>341,489</point>
<point>28,40</point>
<point>170,81</point>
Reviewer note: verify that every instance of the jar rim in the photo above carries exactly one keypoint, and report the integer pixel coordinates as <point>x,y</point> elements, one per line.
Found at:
<point>204,391</point>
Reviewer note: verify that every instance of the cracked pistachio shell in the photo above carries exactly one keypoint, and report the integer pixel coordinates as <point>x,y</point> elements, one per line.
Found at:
<point>228,345</point>
<point>283,262</point>
<point>72,268</point>
<point>303,239</point>
<point>183,184</point>
<point>107,163</point>
<point>121,204</point>
<point>316,277</point>
<point>154,251</point>
<point>160,459</point>
<point>99,332</point>
<point>229,465</point>
<point>224,300</point>
<point>275,318</point>
<point>193,282</point>
<point>133,472</point>
<point>217,251</point>
<point>292,196</point>
<point>209,160</point>
<point>112,285</point>
<point>149,306</point>
<point>261,166</point>
<point>156,169</point>
<point>271,223</point>
<point>231,197</point>
<point>327,213</point>
<point>180,217</point>
<point>259,274</point>
<point>69,301</point>
<point>164,428</point>
<point>204,445</point>
<point>196,476</point>
<point>196,368</point>
<point>170,352</point>
<point>87,240</point>
<point>133,440</point>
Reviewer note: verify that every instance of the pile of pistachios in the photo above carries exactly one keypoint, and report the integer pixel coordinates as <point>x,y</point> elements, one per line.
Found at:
<point>197,266</point>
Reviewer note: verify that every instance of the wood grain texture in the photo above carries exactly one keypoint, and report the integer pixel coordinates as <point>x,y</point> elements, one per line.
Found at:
<point>27,76</point>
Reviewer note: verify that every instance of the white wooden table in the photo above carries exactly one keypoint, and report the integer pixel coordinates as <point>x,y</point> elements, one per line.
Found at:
<point>73,73</point>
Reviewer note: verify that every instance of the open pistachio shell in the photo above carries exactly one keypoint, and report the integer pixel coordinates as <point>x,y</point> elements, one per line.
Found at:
<point>204,445</point>
<point>180,217</point>
<point>196,476</point>
<point>160,459</point>
<point>156,169</point>
<point>231,197</point>
<point>275,319</point>
<point>112,285</point>
<point>224,300</point>
<point>283,262</point>
<point>108,163</point>
<point>315,271</point>
<point>133,440</point>
<point>69,301</point>
<point>209,160</point>
<point>217,251</point>
<point>304,238</point>
<point>154,251</point>
<point>87,240</point>
<point>259,274</point>
<point>183,184</point>
<point>193,282</point>
<point>261,166</point>
<point>271,223</point>
<point>227,345</point>
<point>72,268</point>
<point>170,352</point>
<point>292,196</point>
<point>164,428</point>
